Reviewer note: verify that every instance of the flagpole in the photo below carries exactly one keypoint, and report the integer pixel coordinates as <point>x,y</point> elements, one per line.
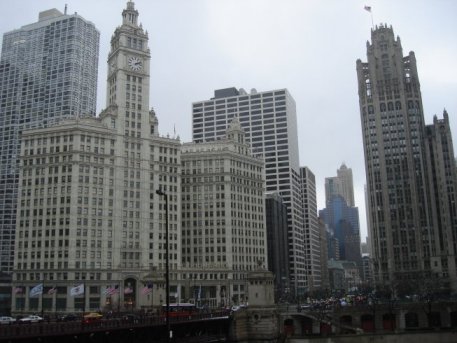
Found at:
<point>84,298</point>
<point>369,9</point>
<point>42,307</point>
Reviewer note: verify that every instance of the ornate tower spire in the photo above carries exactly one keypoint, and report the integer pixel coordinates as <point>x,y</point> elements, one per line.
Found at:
<point>235,132</point>
<point>130,15</point>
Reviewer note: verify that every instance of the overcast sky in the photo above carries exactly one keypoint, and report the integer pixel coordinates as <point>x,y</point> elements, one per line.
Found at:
<point>307,46</point>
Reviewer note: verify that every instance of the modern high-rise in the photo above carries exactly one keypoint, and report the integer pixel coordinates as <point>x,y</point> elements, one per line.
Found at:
<point>341,215</point>
<point>277,238</point>
<point>89,210</point>
<point>224,236</point>
<point>270,122</point>
<point>412,238</point>
<point>312,231</point>
<point>343,222</point>
<point>324,256</point>
<point>48,71</point>
<point>341,184</point>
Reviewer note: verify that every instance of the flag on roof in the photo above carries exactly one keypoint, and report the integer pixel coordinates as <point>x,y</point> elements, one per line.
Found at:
<point>367,8</point>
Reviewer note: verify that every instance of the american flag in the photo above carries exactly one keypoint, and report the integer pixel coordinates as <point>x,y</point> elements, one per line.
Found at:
<point>128,290</point>
<point>17,290</point>
<point>52,290</point>
<point>147,289</point>
<point>113,290</point>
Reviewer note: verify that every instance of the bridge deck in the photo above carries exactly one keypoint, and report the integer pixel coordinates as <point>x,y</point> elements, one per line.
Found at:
<point>49,329</point>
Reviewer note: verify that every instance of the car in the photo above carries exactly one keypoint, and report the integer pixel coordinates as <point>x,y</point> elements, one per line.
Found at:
<point>92,317</point>
<point>7,320</point>
<point>235,308</point>
<point>31,319</point>
<point>305,306</point>
<point>69,317</point>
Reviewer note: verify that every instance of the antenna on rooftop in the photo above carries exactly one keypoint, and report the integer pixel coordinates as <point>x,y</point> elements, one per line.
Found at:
<point>65,11</point>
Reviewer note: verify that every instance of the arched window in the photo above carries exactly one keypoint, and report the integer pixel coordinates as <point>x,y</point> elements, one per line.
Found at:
<point>370,109</point>
<point>408,77</point>
<point>368,87</point>
<point>398,105</point>
<point>410,104</point>
<point>382,107</point>
<point>390,106</point>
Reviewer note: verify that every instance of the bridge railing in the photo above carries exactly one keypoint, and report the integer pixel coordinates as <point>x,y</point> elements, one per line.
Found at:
<point>63,328</point>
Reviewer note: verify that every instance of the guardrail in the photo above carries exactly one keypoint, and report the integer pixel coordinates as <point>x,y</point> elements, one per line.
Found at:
<point>44,329</point>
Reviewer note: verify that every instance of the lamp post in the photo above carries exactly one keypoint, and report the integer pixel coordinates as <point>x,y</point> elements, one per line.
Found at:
<point>167,271</point>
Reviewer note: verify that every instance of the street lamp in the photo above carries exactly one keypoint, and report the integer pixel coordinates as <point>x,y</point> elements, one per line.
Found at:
<point>167,271</point>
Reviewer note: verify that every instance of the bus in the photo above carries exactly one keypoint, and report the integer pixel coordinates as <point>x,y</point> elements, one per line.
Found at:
<point>180,310</point>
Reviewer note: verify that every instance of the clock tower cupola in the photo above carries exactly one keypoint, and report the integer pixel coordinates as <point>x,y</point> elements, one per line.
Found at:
<point>128,74</point>
<point>130,15</point>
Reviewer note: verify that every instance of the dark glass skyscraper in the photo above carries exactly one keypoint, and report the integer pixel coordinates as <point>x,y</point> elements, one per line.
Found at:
<point>48,71</point>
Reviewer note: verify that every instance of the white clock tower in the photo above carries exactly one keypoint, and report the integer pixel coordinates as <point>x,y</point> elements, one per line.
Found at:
<point>142,162</point>
<point>127,93</point>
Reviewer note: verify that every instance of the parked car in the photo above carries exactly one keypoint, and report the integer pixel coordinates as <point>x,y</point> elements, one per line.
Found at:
<point>7,320</point>
<point>31,319</point>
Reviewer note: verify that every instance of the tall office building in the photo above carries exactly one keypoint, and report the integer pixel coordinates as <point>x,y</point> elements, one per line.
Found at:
<point>48,71</point>
<point>277,238</point>
<point>341,215</point>
<point>343,222</point>
<point>341,184</point>
<point>324,256</point>
<point>224,236</point>
<point>312,231</point>
<point>89,212</point>
<point>400,164</point>
<point>270,122</point>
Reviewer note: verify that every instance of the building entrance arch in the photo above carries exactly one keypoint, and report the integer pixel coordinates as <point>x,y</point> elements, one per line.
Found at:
<point>130,294</point>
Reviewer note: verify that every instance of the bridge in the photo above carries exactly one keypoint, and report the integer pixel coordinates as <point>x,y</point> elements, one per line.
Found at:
<point>388,318</point>
<point>205,327</point>
<point>267,323</point>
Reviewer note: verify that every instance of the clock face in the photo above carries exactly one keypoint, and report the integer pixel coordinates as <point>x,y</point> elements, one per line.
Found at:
<point>135,63</point>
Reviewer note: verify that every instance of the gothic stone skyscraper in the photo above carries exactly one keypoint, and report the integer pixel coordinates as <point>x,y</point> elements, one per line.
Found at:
<point>401,199</point>
<point>48,71</point>
<point>88,204</point>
